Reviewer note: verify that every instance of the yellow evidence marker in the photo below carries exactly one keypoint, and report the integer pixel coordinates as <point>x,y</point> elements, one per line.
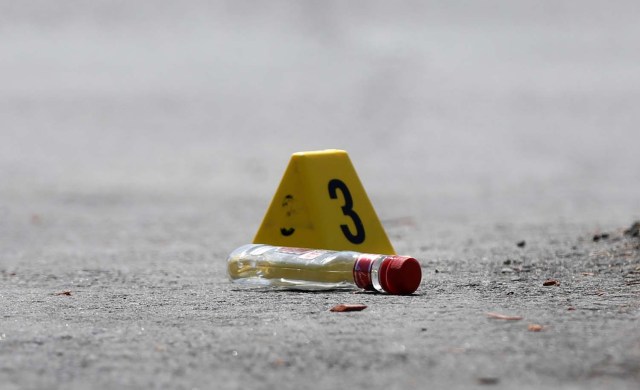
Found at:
<point>321,203</point>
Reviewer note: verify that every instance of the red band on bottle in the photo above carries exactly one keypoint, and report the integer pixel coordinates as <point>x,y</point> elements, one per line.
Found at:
<point>362,271</point>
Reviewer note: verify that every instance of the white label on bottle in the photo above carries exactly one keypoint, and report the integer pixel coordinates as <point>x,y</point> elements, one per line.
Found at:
<point>260,250</point>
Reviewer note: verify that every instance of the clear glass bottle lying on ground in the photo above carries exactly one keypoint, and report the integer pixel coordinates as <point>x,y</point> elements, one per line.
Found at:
<point>319,269</point>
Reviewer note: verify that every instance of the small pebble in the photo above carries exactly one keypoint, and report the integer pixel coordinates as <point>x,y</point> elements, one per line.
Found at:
<point>488,381</point>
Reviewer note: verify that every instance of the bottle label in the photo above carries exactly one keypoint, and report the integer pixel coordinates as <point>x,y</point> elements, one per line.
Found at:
<point>259,250</point>
<point>362,271</point>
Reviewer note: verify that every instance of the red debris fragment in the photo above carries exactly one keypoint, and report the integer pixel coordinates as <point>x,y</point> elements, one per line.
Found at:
<point>535,327</point>
<point>551,282</point>
<point>498,316</point>
<point>348,307</point>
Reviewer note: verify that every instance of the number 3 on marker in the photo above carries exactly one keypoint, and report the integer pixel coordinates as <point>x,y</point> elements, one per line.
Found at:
<point>347,209</point>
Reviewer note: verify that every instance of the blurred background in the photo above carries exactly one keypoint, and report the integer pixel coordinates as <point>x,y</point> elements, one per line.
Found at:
<point>450,110</point>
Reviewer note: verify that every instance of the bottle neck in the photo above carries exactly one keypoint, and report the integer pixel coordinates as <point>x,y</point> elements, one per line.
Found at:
<point>399,275</point>
<point>362,271</point>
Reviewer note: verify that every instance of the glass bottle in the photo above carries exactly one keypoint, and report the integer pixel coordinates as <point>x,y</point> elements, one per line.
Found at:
<point>320,269</point>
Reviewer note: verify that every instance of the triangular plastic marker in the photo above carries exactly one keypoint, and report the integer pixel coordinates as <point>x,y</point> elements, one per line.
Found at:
<point>321,203</point>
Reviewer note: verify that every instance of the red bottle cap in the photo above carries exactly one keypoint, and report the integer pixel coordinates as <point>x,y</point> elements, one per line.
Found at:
<point>400,275</point>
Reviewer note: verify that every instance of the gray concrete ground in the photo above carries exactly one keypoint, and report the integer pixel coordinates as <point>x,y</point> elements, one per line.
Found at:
<point>140,143</point>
